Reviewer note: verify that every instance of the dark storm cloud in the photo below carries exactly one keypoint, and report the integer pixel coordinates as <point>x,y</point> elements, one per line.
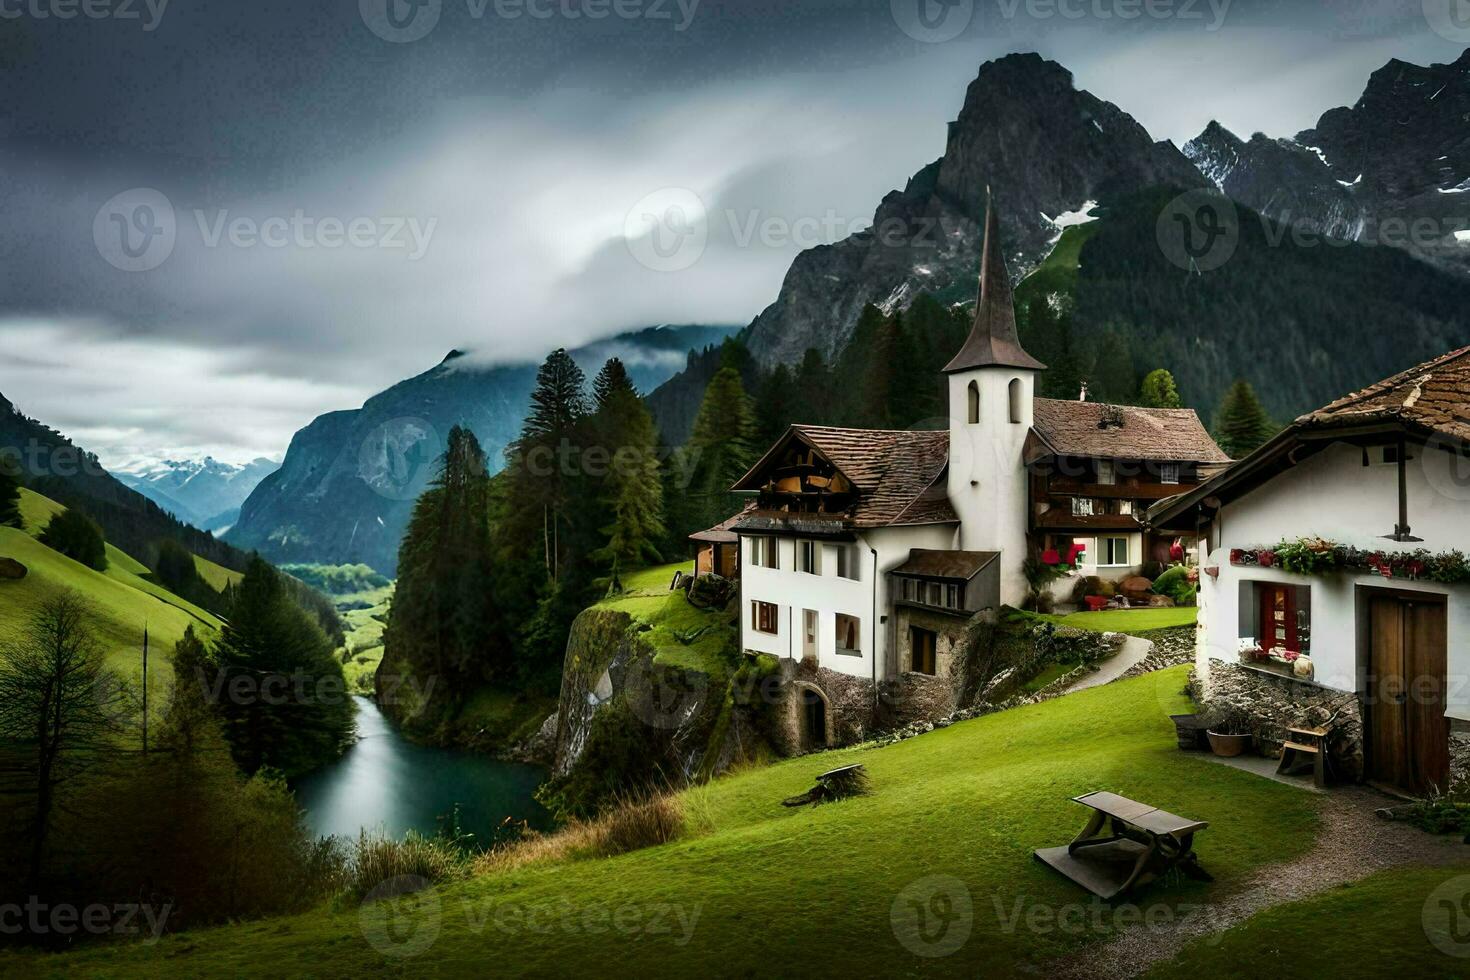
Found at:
<point>345,208</point>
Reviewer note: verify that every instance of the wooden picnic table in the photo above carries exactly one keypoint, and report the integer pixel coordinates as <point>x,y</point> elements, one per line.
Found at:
<point>1140,844</point>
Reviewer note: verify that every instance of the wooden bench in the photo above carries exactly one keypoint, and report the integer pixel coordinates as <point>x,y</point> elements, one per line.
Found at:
<point>1141,844</point>
<point>1305,748</point>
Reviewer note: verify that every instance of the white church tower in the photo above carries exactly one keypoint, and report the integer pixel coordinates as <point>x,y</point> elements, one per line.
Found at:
<point>992,381</point>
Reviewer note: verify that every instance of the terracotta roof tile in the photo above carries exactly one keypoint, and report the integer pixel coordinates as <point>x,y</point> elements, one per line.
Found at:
<point>1435,395</point>
<point>1072,428</point>
<point>896,472</point>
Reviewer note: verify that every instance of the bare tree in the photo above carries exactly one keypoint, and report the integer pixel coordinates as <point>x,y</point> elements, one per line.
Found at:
<point>58,702</point>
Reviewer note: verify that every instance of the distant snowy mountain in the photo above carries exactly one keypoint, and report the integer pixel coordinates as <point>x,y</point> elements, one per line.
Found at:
<point>204,492</point>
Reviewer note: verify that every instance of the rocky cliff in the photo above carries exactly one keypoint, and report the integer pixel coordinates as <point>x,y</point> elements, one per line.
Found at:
<point>1047,148</point>
<point>1393,169</point>
<point>347,485</point>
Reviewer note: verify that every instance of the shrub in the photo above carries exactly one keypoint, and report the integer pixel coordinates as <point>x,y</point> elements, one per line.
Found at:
<point>384,867</point>
<point>1175,584</point>
<point>629,824</point>
<point>1093,585</point>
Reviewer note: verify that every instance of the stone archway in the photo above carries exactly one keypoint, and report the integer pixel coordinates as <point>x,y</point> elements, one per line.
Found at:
<point>813,717</point>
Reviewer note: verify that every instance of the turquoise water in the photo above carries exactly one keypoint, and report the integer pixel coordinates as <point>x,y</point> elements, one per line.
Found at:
<point>387,783</point>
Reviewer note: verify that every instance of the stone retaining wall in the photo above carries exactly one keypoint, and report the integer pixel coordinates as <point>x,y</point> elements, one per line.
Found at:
<point>1271,704</point>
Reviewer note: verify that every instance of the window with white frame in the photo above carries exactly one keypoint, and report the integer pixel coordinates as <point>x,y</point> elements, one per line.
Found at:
<point>1107,472</point>
<point>847,563</point>
<point>1169,473</point>
<point>1125,507</point>
<point>951,596</point>
<point>1081,506</point>
<point>1113,552</point>
<point>849,635</point>
<point>809,557</point>
<point>764,552</point>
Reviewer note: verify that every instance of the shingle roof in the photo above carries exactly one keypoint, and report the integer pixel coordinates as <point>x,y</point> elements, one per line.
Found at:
<point>946,564</point>
<point>807,525</point>
<point>721,533</point>
<point>896,472</point>
<point>1072,428</point>
<point>1435,395</point>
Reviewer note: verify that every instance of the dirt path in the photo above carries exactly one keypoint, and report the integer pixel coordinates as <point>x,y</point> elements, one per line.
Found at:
<point>1352,844</point>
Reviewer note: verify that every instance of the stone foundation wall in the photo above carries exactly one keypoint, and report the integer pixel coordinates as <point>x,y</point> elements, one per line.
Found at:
<point>849,701</point>
<point>1270,704</point>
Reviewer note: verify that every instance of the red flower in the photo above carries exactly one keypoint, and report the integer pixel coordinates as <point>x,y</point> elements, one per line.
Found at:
<point>1051,557</point>
<point>1237,556</point>
<point>1265,558</point>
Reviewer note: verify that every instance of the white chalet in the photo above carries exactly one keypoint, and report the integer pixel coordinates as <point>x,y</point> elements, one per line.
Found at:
<point>864,553</point>
<point>1385,628</point>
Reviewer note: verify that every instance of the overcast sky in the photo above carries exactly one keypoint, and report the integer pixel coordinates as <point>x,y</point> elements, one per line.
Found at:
<point>320,202</point>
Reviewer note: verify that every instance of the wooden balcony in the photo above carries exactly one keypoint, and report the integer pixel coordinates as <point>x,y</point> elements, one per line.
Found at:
<point>1059,517</point>
<point>1059,486</point>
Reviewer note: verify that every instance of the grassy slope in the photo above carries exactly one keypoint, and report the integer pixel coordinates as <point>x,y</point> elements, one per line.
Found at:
<point>646,597</point>
<point>124,600</point>
<point>1129,620</point>
<point>364,635</point>
<point>969,801</point>
<point>1378,927</point>
<point>217,576</point>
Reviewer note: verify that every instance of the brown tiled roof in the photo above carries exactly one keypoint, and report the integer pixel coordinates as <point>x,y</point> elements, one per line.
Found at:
<point>1435,395</point>
<point>945,564</point>
<point>896,472</point>
<point>1071,428</point>
<point>721,533</point>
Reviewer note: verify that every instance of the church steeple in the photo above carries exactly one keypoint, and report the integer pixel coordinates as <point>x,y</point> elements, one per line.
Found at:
<point>993,341</point>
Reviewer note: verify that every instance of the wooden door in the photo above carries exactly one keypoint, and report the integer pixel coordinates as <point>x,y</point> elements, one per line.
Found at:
<point>1278,618</point>
<point>1408,733</point>
<point>923,643</point>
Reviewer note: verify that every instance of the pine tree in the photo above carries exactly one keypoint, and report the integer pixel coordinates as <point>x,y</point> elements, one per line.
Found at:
<point>1242,425</point>
<point>443,621</point>
<point>632,495</point>
<point>720,447</point>
<point>1114,378</point>
<point>1160,391</point>
<point>542,466</point>
<point>76,536</point>
<point>9,495</point>
<point>612,378</point>
<point>283,699</point>
<point>814,388</point>
<point>777,405</point>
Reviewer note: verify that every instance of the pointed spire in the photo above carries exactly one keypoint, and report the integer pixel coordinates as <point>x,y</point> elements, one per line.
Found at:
<point>993,341</point>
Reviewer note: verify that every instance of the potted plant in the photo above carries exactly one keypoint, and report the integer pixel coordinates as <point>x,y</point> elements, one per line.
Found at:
<point>1229,735</point>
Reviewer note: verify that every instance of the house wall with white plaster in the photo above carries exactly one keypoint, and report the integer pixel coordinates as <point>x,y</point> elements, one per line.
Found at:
<point>828,594</point>
<point>1333,495</point>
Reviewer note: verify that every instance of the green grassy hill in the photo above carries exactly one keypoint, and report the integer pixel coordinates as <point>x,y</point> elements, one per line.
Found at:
<point>124,600</point>
<point>835,887</point>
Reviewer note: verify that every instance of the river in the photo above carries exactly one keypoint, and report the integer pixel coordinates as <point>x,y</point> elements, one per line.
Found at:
<point>385,782</point>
